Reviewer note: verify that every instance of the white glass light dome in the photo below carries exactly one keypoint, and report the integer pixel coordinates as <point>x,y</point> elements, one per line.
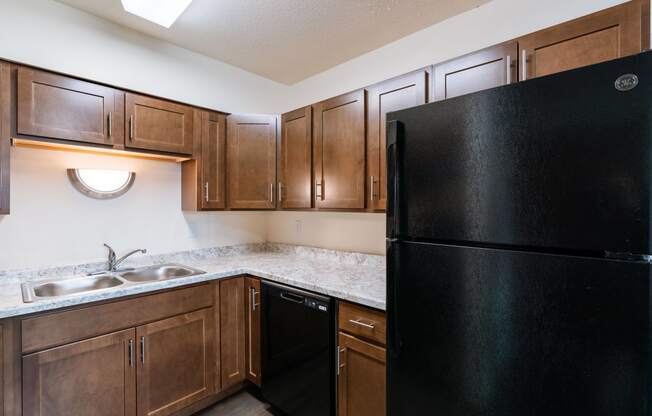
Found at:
<point>101,183</point>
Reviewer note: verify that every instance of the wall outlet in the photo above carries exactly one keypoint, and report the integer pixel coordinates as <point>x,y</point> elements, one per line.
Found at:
<point>297,227</point>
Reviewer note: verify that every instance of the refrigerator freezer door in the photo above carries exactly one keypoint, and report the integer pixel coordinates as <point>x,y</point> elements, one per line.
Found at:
<point>489,332</point>
<point>561,162</point>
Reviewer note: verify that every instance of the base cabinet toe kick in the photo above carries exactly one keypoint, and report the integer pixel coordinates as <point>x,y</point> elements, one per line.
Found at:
<point>171,353</point>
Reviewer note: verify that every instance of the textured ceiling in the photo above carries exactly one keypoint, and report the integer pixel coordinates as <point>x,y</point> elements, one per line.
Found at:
<point>287,40</point>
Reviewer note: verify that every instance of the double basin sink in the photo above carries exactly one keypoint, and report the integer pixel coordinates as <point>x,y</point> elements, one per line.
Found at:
<point>57,288</point>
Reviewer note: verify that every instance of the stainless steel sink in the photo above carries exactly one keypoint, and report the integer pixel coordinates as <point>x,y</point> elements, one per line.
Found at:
<point>58,288</point>
<point>162,272</point>
<point>71,286</point>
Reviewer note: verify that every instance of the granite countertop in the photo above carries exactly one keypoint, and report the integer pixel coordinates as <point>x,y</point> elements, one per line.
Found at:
<point>353,277</point>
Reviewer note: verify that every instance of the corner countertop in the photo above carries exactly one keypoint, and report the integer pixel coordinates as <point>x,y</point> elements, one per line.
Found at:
<point>353,277</point>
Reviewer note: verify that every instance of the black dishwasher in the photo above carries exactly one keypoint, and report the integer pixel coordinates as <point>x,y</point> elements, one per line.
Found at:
<point>298,351</point>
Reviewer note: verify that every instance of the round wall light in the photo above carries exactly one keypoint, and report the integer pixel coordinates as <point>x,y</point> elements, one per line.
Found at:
<point>101,183</point>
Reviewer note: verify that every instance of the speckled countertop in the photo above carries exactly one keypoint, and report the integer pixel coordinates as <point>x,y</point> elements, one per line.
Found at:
<point>354,277</point>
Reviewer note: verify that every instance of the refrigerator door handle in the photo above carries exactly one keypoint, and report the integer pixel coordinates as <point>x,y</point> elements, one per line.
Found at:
<point>392,297</point>
<point>394,130</point>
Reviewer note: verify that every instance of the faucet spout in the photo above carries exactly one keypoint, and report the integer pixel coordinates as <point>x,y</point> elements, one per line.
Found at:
<point>119,261</point>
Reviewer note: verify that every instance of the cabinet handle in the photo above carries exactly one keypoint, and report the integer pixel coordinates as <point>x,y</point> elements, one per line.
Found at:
<point>142,350</point>
<point>206,191</point>
<point>252,296</point>
<point>372,181</point>
<point>508,77</point>
<point>271,192</point>
<point>339,363</point>
<point>524,66</point>
<point>131,127</point>
<point>280,192</point>
<point>318,190</point>
<point>363,324</point>
<point>131,353</point>
<point>110,124</point>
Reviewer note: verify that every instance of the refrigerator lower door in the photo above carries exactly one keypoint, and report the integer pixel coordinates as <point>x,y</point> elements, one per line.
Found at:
<point>489,332</point>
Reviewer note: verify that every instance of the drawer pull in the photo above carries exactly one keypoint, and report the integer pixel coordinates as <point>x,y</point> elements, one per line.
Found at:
<point>363,324</point>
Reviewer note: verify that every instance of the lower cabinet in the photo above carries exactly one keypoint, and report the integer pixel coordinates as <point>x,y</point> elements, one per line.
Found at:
<point>91,377</point>
<point>253,316</point>
<point>155,369</point>
<point>361,363</point>
<point>175,362</point>
<point>232,330</point>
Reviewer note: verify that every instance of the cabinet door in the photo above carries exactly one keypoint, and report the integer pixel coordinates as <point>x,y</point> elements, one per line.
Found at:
<point>339,153</point>
<point>488,68</point>
<point>361,378</point>
<point>232,331</point>
<point>92,377</point>
<point>295,168</point>
<point>159,125</point>
<point>175,359</point>
<point>213,158</point>
<point>253,308</point>
<point>59,107</point>
<point>251,152</point>
<point>610,34</point>
<point>5,136</point>
<point>396,94</point>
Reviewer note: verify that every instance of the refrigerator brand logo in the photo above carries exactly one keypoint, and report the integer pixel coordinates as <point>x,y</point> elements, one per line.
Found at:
<point>626,82</point>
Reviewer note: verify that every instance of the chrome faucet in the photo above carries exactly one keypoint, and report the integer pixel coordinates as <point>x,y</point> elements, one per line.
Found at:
<point>113,262</point>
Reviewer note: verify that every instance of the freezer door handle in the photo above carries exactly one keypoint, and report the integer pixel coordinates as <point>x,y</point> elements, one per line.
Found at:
<point>392,297</point>
<point>394,131</point>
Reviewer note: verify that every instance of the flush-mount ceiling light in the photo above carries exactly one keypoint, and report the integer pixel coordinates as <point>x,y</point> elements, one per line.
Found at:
<point>100,183</point>
<point>161,12</point>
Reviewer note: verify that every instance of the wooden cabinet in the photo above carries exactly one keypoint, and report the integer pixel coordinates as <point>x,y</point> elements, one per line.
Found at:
<point>361,372</point>
<point>91,377</point>
<point>59,107</point>
<point>488,68</point>
<point>5,136</point>
<point>339,153</point>
<point>203,179</point>
<point>175,362</point>
<point>609,34</point>
<point>396,94</point>
<point>251,161</point>
<point>232,331</point>
<point>361,378</point>
<point>158,125</point>
<point>295,164</point>
<point>253,316</point>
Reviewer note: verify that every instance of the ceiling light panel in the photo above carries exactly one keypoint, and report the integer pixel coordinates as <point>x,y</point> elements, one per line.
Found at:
<point>161,12</point>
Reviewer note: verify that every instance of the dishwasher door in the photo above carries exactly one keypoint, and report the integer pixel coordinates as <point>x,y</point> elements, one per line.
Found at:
<point>298,351</point>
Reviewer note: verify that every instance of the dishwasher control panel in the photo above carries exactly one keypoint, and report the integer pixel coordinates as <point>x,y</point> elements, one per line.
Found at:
<point>317,304</point>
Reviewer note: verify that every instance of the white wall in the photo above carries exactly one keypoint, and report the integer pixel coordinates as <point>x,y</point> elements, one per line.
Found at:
<point>492,23</point>
<point>51,223</point>
<point>52,35</point>
<point>495,22</point>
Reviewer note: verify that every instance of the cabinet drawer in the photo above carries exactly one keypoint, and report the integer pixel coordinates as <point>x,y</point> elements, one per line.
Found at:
<point>363,322</point>
<point>87,322</point>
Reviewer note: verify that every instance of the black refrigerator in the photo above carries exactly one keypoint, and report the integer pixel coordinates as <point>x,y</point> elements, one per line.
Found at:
<point>518,243</point>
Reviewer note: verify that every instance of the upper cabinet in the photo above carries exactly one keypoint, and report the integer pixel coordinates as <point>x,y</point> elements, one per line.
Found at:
<point>158,125</point>
<point>204,177</point>
<point>339,152</point>
<point>59,107</point>
<point>393,95</point>
<point>251,161</point>
<point>5,129</point>
<point>613,33</point>
<point>295,164</point>
<point>488,68</point>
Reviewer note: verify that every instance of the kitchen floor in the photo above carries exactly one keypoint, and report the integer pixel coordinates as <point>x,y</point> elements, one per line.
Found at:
<point>242,404</point>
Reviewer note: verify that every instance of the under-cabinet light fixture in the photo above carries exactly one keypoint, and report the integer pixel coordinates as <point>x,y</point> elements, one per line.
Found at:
<point>161,12</point>
<point>101,183</point>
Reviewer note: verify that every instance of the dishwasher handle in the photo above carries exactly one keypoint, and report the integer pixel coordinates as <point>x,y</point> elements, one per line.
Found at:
<point>291,297</point>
